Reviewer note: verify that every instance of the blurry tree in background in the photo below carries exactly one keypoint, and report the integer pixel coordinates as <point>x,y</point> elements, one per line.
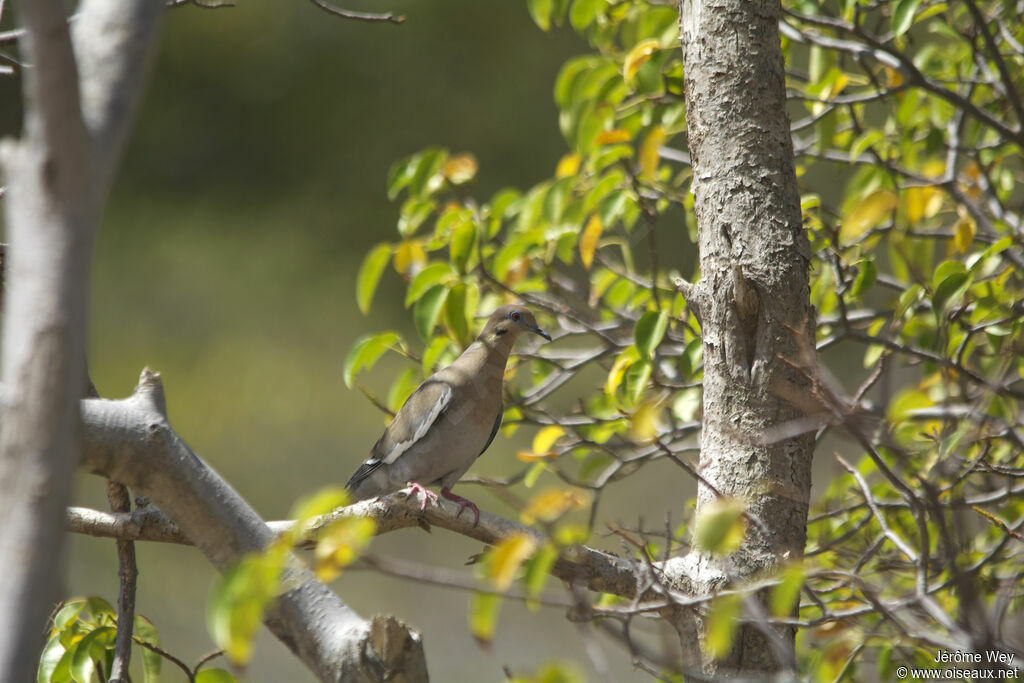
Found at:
<point>907,131</point>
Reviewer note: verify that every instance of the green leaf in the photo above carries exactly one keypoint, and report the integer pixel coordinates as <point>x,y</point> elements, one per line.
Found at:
<point>538,570</point>
<point>903,16</point>
<point>533,474</point>
<point>49,659</point>
<point>427,310</point>
<point>399,175</point>
<point>434,353</point>
<point>720,527</point>
<point>540,11</point>
<point>237,602</point>
<point>425,177</point>
<point>435,273</point>
<point>151,661</point>
<point>949,277</point>
<point>786,594</point>
<point>88,650</point>
<point>366,352</point>
<point>369,275</point>
<point>483,615</point>
<point>100,608</point>
<point>866,277</point>
<point>402,388</point>
<point>68,614</point>
<point>649,331</point>
<point>722,624</point>
<point>461,248</point>
<point>215,676</point>
<point>457,315</point>
<point>584,13</point>
<point>636,378</point>
<point>885,667</point>
<point>414,212</point>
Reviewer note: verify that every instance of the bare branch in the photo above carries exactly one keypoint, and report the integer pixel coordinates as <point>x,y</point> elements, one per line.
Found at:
<point>131,441</point>
<point>127,574</point>
<point>389,17</point>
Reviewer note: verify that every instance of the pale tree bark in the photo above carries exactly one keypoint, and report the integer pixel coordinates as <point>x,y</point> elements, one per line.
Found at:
<point>50,222</point>
<point>753,305</point>
<point>80,94</point>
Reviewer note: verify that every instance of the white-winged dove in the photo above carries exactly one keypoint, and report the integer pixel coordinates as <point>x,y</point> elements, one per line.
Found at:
<point>449,421</point>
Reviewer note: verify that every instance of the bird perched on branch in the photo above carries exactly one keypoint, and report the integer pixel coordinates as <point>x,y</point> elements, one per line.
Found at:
<point>449,421</point>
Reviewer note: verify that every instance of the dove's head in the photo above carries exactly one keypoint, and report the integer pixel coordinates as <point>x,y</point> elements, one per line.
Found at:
<point>511,320</point>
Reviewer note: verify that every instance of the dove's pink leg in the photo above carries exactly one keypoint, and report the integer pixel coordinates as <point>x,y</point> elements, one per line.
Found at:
<point>427,495</point>
<point>463,504</point>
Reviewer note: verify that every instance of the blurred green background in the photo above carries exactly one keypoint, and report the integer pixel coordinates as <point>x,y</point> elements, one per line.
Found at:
<point>252,187</point>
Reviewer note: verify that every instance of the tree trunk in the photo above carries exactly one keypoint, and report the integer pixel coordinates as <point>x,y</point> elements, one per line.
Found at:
<point>753,305</point>
<point>49,223</point>
<point>58,174</point>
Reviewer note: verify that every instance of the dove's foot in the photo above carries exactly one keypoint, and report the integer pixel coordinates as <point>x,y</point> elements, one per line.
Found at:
<point>428,495</point>
<point>463,504</point>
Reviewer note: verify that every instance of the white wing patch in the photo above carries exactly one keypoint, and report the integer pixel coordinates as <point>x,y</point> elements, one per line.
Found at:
<point>423,427</point>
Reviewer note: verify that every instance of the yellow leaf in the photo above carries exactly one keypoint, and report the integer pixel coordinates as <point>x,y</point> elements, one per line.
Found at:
<point>546,438</point>
<point>622,363</point>
<point>460,168</point>
<point>972,174</point>
<point>933,168</point>
<point>842,80</point>
<point>588,241</point>
<point>637,57</point>
<point>568,165</point>
<point>867,214</point>
<point>340,544</point>
<point>409,257</point>
<point>963,234</point>
<point>506,558</point>
<point>893,78</point>
<point>649,153</point>
<point>551,504</point>
<point>922,202</point>
<point>610,137</point>
<point>530,456</point>
<point>645,423</point>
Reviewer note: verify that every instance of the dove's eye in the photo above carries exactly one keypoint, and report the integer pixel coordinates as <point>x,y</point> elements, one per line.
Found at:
<point>514,315</point>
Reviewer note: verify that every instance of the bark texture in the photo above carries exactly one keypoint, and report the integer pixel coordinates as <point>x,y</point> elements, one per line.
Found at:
<point>58,174</point>
<point>131,441</point>
<point>50,220</point>
<point>752,301</point>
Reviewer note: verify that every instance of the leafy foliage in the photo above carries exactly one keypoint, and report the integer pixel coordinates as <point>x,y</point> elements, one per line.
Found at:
<point>907,130</point>
<point>80,647</point>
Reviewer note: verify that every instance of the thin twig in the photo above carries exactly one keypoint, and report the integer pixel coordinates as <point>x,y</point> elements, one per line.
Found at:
<point>388,17</point>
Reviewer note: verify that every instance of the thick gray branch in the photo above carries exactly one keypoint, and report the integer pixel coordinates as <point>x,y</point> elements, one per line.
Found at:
<point>131,441</point>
